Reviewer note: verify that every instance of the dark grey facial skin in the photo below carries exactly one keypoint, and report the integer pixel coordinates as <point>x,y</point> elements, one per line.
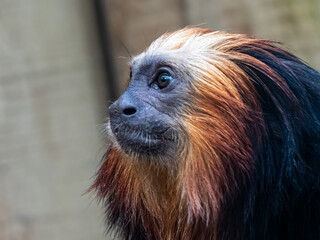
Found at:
<point>144,120</point>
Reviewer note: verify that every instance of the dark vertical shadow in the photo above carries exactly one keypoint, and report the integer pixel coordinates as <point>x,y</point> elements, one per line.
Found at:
<point>108,59</point>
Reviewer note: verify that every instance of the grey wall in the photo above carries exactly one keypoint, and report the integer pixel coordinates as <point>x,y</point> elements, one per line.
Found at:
<point>50,105</point>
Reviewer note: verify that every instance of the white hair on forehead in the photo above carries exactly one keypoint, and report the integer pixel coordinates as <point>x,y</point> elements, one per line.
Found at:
<point>188,44</point>
<point>194,53</point>
<point>190,40</point>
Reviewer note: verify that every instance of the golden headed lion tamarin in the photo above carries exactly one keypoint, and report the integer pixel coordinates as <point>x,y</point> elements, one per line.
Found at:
<point>217,136</point>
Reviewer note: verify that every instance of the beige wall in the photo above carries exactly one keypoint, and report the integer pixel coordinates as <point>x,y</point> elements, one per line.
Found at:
<point>295,23</point>
<point>49,110</point>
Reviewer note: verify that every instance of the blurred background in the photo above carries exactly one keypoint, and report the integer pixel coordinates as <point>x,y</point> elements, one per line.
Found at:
<point>63,61</point>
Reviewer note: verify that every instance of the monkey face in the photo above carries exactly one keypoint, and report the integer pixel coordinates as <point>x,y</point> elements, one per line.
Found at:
<point>144,120</point>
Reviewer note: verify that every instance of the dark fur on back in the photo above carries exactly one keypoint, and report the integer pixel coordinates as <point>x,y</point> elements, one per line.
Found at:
<point>282,199</point>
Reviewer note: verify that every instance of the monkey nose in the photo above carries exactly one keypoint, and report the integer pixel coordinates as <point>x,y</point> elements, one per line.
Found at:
<point>122,107</point>
<point>126,106</point>
<point>129,110</point>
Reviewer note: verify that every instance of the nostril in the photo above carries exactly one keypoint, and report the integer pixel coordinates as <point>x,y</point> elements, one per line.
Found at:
<point>129,111</point>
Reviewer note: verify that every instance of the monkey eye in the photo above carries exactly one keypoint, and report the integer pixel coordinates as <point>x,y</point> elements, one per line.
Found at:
<point>163,80</point>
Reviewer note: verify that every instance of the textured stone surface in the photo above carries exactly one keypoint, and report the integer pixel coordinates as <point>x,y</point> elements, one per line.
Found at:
<point>50,107</point>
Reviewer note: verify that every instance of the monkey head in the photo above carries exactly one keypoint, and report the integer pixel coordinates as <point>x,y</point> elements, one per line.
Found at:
<point>144,120</point>
<point>180,88</point>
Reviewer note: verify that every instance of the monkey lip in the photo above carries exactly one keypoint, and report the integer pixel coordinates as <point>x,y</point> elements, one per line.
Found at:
<point>136,134</point>
<point>138,140</point>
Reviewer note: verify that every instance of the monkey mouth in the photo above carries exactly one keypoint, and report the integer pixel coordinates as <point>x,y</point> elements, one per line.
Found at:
<point>137,140</point>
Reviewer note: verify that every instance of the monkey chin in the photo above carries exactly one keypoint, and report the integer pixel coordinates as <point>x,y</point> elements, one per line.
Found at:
<point>138,143</point>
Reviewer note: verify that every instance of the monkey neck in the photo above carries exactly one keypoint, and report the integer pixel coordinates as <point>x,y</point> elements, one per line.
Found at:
<point>147,196</point>
<point>157,199</point>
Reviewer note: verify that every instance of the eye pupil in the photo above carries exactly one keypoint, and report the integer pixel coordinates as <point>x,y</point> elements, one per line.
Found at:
<point>163,80</point>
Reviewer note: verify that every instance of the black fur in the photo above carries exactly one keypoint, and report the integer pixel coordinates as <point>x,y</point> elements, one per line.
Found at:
<point>282,199</point>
